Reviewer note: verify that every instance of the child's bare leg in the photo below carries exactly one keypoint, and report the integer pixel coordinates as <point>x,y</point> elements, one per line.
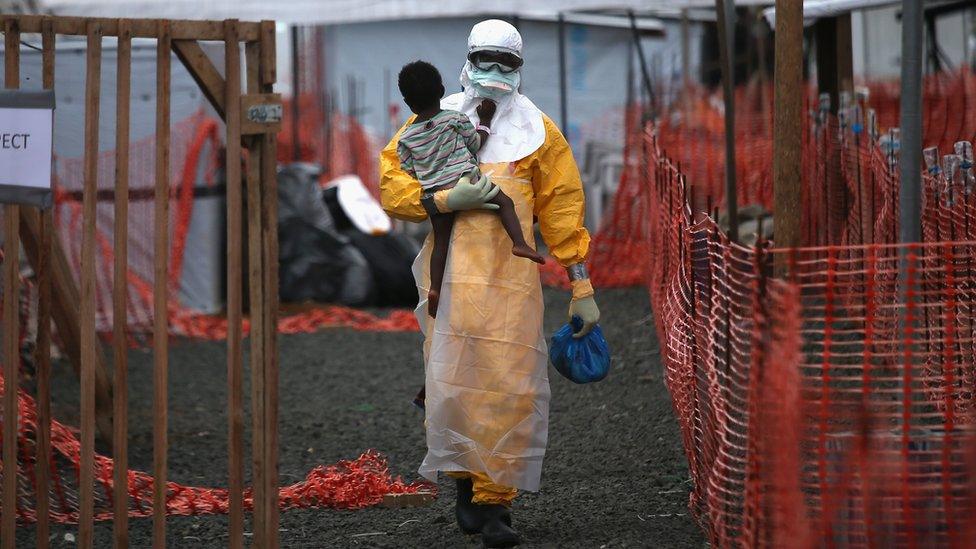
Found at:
<point>442,225</point>
<point>512,226</point>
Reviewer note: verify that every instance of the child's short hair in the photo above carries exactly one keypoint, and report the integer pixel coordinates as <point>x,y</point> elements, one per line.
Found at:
<point>421,85</point>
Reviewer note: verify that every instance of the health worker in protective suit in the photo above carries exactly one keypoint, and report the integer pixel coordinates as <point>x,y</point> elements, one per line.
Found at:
<point>487,389</point>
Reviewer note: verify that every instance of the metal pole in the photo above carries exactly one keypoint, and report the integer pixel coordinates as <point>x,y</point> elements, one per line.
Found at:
<point>787,127</point>
<point>295,114</point>
<point>685,52</point>
<point>725,12</point>
<point>643,61</point>
<point>910,196</point>
<point>563,114</point>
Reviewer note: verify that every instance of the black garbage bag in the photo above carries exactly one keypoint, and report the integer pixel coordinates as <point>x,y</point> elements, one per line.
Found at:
<point>316,262</point>
<point>390,257</point>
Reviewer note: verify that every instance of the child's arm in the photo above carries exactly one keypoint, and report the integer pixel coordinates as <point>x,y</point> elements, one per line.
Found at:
<point>486,111</point>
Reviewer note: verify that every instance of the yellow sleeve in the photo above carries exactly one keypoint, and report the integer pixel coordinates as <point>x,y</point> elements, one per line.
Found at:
<point>559,202</point>
<point>399,193</point>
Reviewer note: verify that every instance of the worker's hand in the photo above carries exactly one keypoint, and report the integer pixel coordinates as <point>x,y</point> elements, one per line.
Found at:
<point>472,195</point>
<point>584,306</point>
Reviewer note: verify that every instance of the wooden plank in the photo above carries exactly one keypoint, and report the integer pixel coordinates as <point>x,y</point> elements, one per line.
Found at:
<point>235,351</point>
<point>42,349</point>
<point>180,29</point>
<point>89,339</point>
<point>120,509</point>
<point>11,318</point>
<point>160,285</point>
<point>203,71</point>
<point>65,310</point>
<point>788,120</point>
<point>269,216</point>
<point>256,293</point>
<point>268,68</point>
<point>402,501</point>
<point>251,125</point>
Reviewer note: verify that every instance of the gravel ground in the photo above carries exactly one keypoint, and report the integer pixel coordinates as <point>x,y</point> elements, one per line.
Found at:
<point>615,474</point>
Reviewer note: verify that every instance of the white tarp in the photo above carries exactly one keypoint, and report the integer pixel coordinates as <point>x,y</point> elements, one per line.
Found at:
<point>312,12</point>
<point>816,9</point>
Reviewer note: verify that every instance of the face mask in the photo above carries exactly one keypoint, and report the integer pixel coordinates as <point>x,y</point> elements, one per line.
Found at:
<point>493,83</point>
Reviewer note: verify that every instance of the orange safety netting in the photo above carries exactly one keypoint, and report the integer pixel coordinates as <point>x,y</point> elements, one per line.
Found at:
<point>349,484</point>
<point>834,408</point>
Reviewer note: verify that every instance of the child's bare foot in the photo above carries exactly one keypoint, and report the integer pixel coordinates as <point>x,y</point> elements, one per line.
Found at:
<point>526,251</point>
<point>433,296</point>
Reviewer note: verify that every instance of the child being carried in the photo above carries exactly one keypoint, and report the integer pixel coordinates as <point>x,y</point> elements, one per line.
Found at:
<point>439,148</point>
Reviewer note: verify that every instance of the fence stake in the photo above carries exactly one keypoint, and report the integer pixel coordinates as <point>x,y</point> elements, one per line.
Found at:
<point>725,11</point>
<point>269,217</point>
<point>43,349</point>
<point>161,284</point>
<point>235,370</point>
<point>256,298</point>
<point>787,132</point>
<point>11,320</point>
<point>89,339</point>
<point>120,288</point>
<point>910,197</point>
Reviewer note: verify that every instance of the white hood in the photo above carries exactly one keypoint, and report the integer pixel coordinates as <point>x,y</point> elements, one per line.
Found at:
<point>517,129</point>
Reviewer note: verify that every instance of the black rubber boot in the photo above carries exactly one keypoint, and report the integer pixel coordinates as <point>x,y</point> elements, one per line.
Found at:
<point>469,516</point>
<point>497,530</point>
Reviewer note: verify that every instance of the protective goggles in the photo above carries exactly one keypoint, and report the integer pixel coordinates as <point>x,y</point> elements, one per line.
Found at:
<point>487,60</point>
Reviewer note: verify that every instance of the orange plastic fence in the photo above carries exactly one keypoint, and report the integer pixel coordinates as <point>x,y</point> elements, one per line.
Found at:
<point>834,408</point>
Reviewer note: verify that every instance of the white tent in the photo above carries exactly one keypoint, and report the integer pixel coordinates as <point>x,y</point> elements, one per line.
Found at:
<point>312,12</point>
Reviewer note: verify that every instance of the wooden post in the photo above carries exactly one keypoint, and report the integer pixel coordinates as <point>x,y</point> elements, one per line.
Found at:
<point>43,349</point>
<point>235,357</point>
<point>269,216</point>
<point>120,517</point>
<point>835,60</point>
<point>725,11</point>
<point>160,285</point>
<point>256,293</point>
<point>788,121</point>
<point>89,339</point>
<point>11,318</point>
<point>910,195</point>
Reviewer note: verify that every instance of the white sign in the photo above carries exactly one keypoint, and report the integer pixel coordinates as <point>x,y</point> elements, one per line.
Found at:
<point>26,147</point>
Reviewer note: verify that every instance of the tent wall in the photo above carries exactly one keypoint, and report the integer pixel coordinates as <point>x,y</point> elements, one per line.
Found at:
<point>876,55</point>
<point>596,60</point>
<point>202,279</point>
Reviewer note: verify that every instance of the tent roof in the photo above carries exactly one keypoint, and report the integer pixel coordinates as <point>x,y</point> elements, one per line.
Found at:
<point>815,9</point>
<point>349,11</point>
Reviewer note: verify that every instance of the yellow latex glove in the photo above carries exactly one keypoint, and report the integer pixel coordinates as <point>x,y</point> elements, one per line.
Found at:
<point>584,306</point>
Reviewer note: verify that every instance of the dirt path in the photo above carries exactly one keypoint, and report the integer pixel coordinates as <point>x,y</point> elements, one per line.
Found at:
<point>615,474</point>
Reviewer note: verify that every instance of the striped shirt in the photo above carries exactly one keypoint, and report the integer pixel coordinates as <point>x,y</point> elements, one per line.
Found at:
<point>440,150</point>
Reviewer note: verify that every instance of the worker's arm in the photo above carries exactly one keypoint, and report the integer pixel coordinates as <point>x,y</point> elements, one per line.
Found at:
<point>560,207</point>
<point>399,192</point>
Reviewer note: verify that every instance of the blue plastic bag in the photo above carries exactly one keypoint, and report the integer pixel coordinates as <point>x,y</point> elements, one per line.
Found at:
<point>582,360</point>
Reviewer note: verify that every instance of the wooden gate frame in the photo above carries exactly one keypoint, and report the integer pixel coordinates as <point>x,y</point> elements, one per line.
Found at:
<point>77,329</point>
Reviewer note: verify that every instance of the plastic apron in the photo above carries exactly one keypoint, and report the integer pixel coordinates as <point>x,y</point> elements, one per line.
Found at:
<point>487,403</point>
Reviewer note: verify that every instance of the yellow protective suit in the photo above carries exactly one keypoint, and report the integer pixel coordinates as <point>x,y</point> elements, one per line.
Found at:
<point>487,404</point>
